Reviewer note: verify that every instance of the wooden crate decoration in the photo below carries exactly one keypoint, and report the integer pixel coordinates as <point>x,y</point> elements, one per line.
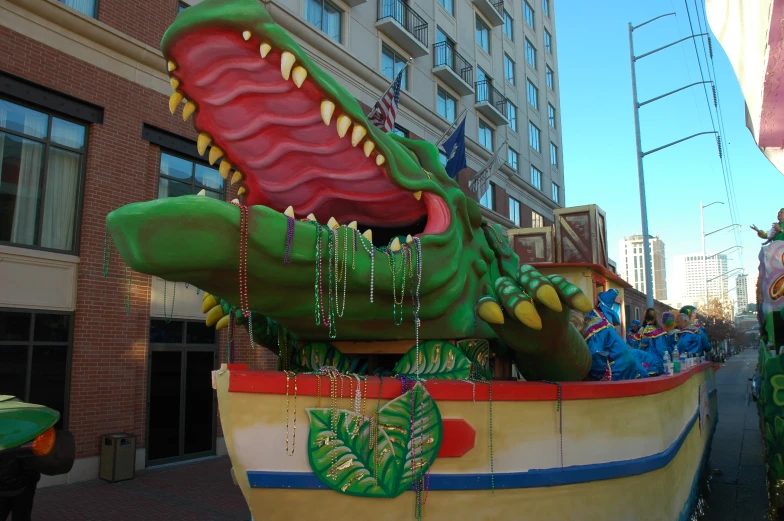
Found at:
<point>581,235</point>
<point>533,245</point>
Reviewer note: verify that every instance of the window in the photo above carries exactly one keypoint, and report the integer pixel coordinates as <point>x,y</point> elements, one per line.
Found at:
<point>391,65</point>
<point>548,41</point>
<point>550,78</point>
<point>514,211</point>
<point>442,157</point>
<point>508,26</point>
<point>181,6</point>
<point>485,135</point>
<point>482,35</point>
<point>533,95</point>
<point>546,7</point>
<point>41,163</point>
<point>325,16</point>
<point>553,155</point>
<point>529,14</point>
<point>537,221</point>
<point>83,6</point>
<point>551,115</point>
<point>536,177</point>
<point>555,192</point>
<point>448,6</point>
<point>180,176</point>
<point>400,131</point>
<point>533,137</point>
<point>34,352</point>
<point>511,115</point>
<point>509,69</point>
<point>446,105</point>
<point>530,53</point>
<point>512,158</point>
<point>488,198</point>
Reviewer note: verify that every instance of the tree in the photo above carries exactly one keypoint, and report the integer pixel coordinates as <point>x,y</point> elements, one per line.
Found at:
<point>716,319</point>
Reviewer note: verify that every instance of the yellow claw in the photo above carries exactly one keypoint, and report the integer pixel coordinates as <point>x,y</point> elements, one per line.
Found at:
<point>213,315</point>
<point>526,313</point>
<point>188,110</point>
<point>202,142</point>
<point>491,312</point>
<point>223,323</point>
<point>546,295</point>
<point>582,303</point>
<point>174,100</point>
<point>215,154</point>
<point>242,190</point>
<point>175,83</point>
<point>224,169</point>
<point>205,297</point>
<point>418,195</point>
<point>237,177</point>
<point>208,303</point>
<point>171,65</point>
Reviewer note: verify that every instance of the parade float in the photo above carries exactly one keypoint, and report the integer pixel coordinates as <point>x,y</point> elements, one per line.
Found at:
<point>397,313</point>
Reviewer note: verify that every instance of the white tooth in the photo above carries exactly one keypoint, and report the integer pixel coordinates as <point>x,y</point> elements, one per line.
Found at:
<point>367,234</point>
<point>286,63</point>
<point>202,192</point>
<point>235,201</point>
<point>264,49</point>
<point>289,212</point>
<point>357,134</point>
<point>343,123</point>
<point>395,246</point>
<point>298,75</point>
<point>353,225</point>
<point>327,109</point>
<point>368,147</point>
<point>332,223</point>
<point>311,217</point>
<point>409,239</point>
<point>246,35</point>
<point>380,160</point>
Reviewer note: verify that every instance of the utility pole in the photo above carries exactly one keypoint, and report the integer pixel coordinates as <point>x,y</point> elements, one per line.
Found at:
<point>640,154</point>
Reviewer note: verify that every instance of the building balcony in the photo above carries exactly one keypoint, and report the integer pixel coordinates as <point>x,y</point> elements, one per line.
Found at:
<point>354,3</point>
<point>451,68</point>
<point>491,103</point>
<point>492,10</point>
<point>406,28</point>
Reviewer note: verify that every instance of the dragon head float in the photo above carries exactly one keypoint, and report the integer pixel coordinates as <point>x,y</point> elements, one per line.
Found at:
<point>304,153</point>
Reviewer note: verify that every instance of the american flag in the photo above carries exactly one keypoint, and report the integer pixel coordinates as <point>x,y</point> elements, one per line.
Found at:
<point>385,110</point>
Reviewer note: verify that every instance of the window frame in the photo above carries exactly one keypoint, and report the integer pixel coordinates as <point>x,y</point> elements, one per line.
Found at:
<point>450,12</point>
<point>530,47</point>
<point>340,11</point>
<point>491,191</point>
<point>506,16</point>
<point>511,152</point>
<point>528,86</point>
<point>401,131</point>
<point>488,31</point>
<point>550,78</point>
<point>194,184</point>
<point>555,193</point>
<point>439,91</point>
<point>404,83</point>
<point>537,218</point>
<point>511,116</point>
<point>533,130</point>
<point>517,222</point>
<point>509,64</point>
<point>47,144</point>
<point>554,155</point>
<point>528,9</point>
<point>546,8</point>
<point>30,344</point>
<point>548,42</point>
<point>479,126</point>
<point>551,116</point>
<point>536,181</point>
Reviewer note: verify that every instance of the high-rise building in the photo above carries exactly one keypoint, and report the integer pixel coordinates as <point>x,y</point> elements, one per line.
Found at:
<point>696,271</point>
<point>742,290</point>
<point>632,264</point>
<point>85,128</point>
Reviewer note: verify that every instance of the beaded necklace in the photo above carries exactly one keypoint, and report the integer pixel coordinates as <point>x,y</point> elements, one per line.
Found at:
<point>372,252</point>
<point>344,275</point>
<point>330,282</point>
<point>395,304</point>
<point>290,374</point>
<point>289,239</point>
<point>166,319</point>
<point>317,286</point>
<point>375,428</point>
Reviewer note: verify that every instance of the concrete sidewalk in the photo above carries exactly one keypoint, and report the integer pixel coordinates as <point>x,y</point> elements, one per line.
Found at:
<point>199,491</point>
<point>738,455</point>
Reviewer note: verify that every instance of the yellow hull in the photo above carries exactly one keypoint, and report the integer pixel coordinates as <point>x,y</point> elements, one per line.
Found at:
<point>636,456</point>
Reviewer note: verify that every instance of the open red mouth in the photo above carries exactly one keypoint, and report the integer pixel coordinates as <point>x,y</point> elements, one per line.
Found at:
<point>273,129</point>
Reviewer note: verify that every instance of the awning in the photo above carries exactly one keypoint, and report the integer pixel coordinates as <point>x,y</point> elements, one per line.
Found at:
<point>751,33</point>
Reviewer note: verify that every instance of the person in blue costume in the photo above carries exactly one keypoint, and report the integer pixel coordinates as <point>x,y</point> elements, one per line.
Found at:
<point>690,338</point>
<point>653,342</point>
<point>668,324</point>
<point>691,313</point>
<point>606,345</point>
<point>633,335</point>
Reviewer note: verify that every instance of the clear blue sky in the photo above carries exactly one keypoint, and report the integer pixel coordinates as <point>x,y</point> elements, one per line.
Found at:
<point>598,131</point>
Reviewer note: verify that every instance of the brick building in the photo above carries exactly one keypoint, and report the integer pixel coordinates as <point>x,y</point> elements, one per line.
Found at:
<point>84,129</point>
<point>636,303</point>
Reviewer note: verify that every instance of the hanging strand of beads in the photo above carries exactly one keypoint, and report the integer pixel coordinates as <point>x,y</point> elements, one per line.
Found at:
<point>317,285</point>
<point>331,282</point>
<point>170,316</point>
<point>289,239</point>
<point>372,252</point>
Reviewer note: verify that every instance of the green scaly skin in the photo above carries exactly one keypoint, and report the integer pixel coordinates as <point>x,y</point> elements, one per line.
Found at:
<point>196,239</point>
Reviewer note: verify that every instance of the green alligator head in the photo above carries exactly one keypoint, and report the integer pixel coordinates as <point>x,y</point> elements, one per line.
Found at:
<point>301,146</point>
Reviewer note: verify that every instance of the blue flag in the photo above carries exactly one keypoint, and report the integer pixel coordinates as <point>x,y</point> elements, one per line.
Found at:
<point>455,151</point>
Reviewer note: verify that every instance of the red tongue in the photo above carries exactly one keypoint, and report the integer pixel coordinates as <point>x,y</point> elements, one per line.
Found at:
<point>273,133</point>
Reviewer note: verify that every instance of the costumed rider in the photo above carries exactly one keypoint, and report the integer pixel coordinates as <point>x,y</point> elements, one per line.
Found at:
<point>690,338</point>
<point>776,232</point>
<point>633,335</point>
<point>668,324</point>
<point>612,358</point>
<point>691,312</point>
<point>653,343</point>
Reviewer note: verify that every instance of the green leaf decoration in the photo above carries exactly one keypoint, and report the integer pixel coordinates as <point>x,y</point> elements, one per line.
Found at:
<point>437,359</point>
<point>315,355</point>
<point>343,456</point>
<point>478,352</point>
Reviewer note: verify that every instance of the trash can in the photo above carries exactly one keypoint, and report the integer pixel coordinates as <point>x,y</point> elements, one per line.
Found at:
<point>118,457</point>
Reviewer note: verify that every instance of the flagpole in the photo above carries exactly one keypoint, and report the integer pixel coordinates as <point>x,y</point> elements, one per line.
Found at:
<point>454,124</point>
<point>370,114</point>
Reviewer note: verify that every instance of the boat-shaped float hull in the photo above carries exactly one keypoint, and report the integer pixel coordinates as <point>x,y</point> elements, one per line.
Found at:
<point>634,450</point>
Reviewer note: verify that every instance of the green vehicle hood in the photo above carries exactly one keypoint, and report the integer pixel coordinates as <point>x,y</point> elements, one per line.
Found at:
<point>21,422</point>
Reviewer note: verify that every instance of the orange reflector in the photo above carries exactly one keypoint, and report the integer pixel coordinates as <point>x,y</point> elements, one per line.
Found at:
<point>44,443</point>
